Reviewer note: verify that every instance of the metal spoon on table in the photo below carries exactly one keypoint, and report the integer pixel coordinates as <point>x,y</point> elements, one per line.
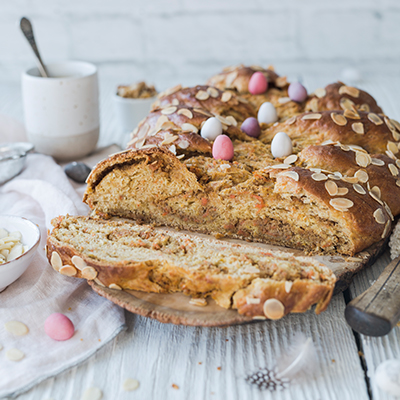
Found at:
<point>27,30</point>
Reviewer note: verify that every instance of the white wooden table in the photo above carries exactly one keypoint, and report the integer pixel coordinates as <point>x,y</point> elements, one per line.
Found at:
<point>211,363</point>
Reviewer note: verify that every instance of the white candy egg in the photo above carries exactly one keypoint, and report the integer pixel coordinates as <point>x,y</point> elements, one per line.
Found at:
<point>211,129</point>
<point>387,377</point>
<point>267,113</point>
<point>281,145</point>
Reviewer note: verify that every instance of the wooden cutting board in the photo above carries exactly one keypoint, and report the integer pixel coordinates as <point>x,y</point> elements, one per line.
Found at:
<point>175,308</point>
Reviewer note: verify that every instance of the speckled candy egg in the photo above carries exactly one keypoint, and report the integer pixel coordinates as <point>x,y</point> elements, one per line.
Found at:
<point>297,92</point>
<point>223,148</point>
<point>267,113</point>
<point>387,377</point>
<point>258,83</point>
<point>211,129</point>
<point>59,327</point>
<point>281,145</point>
<point>251,127</point>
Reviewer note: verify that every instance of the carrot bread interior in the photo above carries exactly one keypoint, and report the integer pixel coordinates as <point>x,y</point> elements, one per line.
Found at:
<point>144,258</point>
<point>221,199</point>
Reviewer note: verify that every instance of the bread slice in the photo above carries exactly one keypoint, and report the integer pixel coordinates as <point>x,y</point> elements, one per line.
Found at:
<point>121,254</point>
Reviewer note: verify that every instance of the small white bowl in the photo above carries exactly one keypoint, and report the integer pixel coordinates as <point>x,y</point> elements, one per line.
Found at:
<point>12,270</point>
<point>130,112</point>
<point>12,159</point>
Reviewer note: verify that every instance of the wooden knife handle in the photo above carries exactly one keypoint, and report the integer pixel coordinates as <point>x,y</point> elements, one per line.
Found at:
<point>376,311</point>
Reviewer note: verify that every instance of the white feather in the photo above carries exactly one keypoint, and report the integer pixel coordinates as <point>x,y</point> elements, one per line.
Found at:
<point>301,359</point>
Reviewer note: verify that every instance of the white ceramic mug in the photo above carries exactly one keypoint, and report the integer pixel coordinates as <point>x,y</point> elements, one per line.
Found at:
<point>62,112</point>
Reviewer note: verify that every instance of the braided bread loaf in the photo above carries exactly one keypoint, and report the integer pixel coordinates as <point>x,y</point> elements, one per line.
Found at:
<point>337,192</point>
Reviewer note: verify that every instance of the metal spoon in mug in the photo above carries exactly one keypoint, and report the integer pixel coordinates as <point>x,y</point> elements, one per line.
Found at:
<point>27,30</point>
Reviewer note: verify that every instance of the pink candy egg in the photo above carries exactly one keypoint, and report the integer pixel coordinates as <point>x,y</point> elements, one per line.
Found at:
<point>59,327</point>
<point>222,148</point>
<point>258,83</point>
<point>251,127</point>
<point>297,92</point>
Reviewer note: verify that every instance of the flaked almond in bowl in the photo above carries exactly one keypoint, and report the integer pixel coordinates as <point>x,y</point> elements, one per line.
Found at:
<point>138,90</point>
<point>19,239</point>
<point>133,103</point>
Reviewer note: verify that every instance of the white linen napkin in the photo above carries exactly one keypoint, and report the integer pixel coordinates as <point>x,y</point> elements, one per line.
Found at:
<point>40,193</point>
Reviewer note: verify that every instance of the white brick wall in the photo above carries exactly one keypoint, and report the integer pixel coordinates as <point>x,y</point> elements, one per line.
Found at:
<point>186,41</point>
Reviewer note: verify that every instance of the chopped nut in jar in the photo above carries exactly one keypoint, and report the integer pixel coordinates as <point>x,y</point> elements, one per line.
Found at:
<point>10,245</point>
<point>138,90</point>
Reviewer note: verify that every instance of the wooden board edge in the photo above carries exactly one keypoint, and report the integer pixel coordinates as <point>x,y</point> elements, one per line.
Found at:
<point>164,314</point>
<point>344,280</point>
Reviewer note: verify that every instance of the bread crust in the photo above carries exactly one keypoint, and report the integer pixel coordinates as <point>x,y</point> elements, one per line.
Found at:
<point>217,102</point>
<point>297,300</point>
<point>305,131</point>
<point>237,78</point>
<point>179,129</point>
<point>167,162</point>
<point>345,162</point>
<point>334,95</point>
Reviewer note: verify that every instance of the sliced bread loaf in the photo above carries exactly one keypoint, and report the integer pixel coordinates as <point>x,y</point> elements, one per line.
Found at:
<point>120,254</point>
